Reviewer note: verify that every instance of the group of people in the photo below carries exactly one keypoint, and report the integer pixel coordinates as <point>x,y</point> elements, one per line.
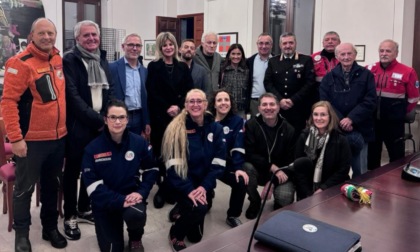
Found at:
<point>182,124</point>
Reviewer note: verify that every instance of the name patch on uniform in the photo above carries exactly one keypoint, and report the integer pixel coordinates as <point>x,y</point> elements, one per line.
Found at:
<point>102,159</point>
<point>101,155</point>
<point>192,131</point>
<point>43,70</point>
<point>397,76</point>
<point>129,155</point>
<point>12,70</point>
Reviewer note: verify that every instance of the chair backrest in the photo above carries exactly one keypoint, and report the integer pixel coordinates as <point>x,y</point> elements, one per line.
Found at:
<point>411,117</point>
<point>3,159</point>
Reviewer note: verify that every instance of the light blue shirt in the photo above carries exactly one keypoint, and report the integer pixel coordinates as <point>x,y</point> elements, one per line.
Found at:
<point>258,76</point>
<point>133,86</point>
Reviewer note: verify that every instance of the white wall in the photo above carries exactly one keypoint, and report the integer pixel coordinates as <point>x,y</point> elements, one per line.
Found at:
<point>53,10</point>
<point>367,23</point>
<point>190,7</point>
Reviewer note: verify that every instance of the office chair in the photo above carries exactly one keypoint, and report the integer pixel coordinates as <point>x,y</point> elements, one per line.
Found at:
<point>409,119</point>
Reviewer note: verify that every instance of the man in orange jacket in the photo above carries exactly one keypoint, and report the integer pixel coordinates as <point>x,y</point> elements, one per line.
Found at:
<point>34,111</point>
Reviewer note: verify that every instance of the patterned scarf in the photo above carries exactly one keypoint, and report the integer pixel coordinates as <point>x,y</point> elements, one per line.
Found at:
<point>96,74</point>
<point>313,143</point>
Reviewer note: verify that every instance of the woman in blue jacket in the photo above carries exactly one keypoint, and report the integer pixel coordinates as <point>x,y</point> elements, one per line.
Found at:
<point>224,108</point>
<point>194,151</point>
<point>111,172</point>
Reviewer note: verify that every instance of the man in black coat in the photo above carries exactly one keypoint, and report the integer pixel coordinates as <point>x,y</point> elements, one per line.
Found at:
<point>290,76</point>
<point>88,89</point>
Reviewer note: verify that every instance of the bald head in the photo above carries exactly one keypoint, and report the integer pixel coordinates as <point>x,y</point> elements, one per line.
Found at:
<point>44,34</point>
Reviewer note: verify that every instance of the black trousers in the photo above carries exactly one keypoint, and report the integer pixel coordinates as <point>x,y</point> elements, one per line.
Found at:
<point>237,195</point>
<point>70,178</point>
<point>43,162</point>
<point>388,132</point>
<point>109,226</point>
<point>191,222</point>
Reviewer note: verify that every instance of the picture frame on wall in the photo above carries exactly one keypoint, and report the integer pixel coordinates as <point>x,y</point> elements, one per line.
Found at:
<point>149,49</point>
<point>225,40</point>
<point>360,57</point>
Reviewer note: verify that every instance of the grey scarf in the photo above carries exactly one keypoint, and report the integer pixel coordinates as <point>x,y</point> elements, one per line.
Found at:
<point>315,142</point>
<point>96,74</point>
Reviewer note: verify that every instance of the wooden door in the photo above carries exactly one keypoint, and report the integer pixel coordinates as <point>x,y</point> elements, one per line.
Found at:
<point>198,28</point>
<point>168,24</point>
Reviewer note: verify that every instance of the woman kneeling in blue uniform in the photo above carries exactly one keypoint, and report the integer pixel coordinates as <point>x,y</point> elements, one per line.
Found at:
<point>194,151</point>
<point>118,190</point>
<point>323,153</point>
<point>224,108</point>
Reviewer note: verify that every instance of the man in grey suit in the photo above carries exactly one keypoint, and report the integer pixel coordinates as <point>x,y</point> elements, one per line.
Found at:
<point>207,57</point>
<point>130,80</point>
<point>198,73</point>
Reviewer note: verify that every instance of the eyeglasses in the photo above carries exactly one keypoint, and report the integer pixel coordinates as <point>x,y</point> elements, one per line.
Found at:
<point>113,118</point>
<point>264,43</point>
<point>198,102</point>
<point>131,46</point>
<point>211,43</point>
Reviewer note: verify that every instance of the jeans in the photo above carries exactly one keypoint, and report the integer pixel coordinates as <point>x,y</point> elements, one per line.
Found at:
<point>359,151</point>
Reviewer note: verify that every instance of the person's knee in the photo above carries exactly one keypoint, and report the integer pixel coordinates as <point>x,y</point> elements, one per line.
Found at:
<point>284,194</point>
<point>135,213</point>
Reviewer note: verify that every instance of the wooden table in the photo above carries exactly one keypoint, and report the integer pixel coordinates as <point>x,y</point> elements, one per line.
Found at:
<point>390,223</point>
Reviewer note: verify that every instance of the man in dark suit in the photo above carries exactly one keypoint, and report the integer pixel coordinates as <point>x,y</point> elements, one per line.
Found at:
<point>290,76</point>
<point>130,84</point>
<point>257,64</point>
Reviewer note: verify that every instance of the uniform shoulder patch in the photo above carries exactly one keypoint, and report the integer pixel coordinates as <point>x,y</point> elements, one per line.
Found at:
<point>317,57</point>
<point>12,70</point>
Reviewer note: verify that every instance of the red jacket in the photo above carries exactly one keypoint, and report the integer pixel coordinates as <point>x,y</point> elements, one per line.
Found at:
<point>396,81</point>
<point>322,65</point>
<point>33,104</point>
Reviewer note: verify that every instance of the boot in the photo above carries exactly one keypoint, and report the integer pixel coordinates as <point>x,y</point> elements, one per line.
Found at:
<point>22,243</point>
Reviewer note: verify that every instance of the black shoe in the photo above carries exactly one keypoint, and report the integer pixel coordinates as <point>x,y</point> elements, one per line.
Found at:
<point>86,217</point>
<point>233,221</point>
<point>195,234</point>
<point>135,246</point>
<point>71,229</point>
<point>22,243</point>
<point>176,245</point>
<point>57,240</point>
<point>174,213</point>
<point>158,200</point>
<point>253,209</point>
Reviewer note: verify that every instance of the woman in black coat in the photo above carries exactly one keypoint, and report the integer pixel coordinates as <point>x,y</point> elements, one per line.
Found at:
<point>167,83</point>
<point>322,153</point>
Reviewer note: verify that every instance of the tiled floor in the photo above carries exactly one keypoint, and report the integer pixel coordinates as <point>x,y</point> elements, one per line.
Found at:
<point>156,231</point>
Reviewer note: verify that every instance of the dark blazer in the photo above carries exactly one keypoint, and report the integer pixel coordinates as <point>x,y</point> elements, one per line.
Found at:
<point>250,65</point>
<point>164,91</point>
<point>83,123</point>
<point>336,164</point>
<point>117,69</point>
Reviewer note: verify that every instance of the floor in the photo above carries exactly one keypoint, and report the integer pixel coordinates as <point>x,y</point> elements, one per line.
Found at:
<point>157,226</point>
<point>156,230</point>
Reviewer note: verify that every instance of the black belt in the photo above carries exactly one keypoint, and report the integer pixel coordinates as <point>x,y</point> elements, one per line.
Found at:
<point>134,112</point>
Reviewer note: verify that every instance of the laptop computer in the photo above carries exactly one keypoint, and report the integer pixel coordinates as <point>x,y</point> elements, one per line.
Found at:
<point>291,231</point>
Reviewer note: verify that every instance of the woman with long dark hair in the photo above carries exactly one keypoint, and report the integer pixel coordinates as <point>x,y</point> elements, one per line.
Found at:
<point>234,76</point>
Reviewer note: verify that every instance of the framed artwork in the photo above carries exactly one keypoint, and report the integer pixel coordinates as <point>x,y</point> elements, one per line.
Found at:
<point>149,49</point>
<point>225,40</point>
<point>360,52</point>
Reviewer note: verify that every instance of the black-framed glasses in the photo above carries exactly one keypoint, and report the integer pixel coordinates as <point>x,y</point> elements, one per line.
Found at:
<point>114,118</point>
<point>131,45</point>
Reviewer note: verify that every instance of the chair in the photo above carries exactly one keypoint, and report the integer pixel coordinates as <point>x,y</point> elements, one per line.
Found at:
<point>7,176</point>
<point>409,119</point>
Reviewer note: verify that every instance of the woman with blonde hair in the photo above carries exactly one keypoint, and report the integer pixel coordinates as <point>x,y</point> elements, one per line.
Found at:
<point>323,153</point>
<point>194,152</point>
<point>167,83</point>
